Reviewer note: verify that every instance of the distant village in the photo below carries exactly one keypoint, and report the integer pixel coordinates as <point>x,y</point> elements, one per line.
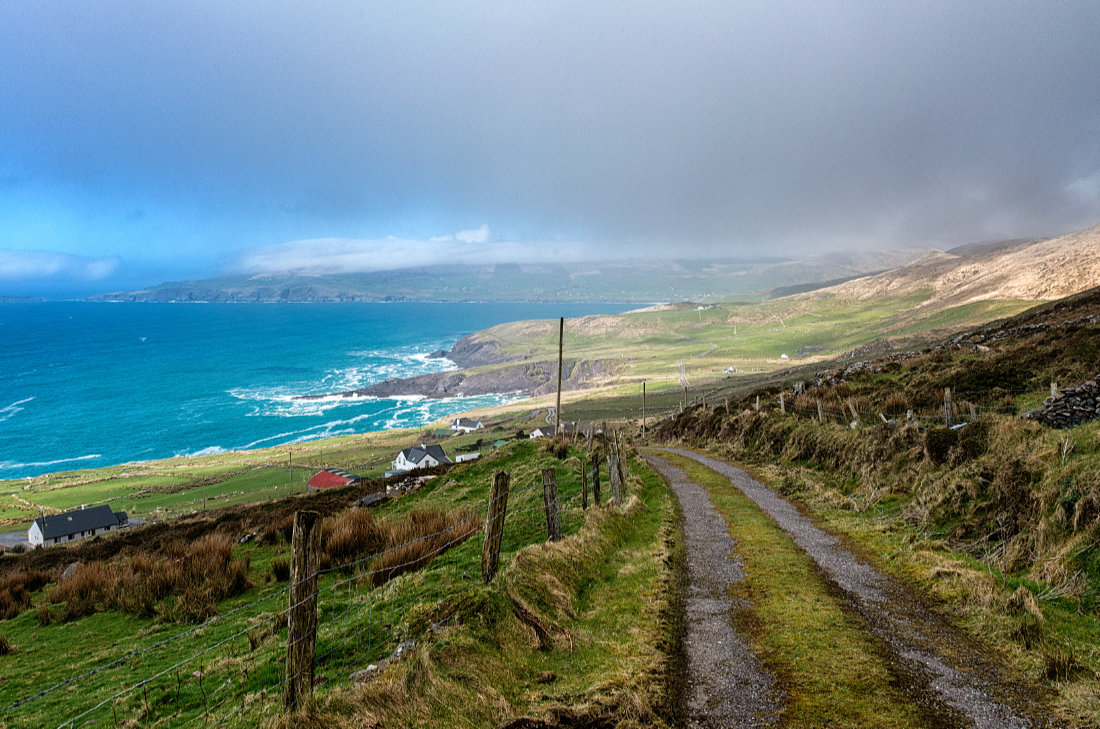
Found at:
<point>92,521</point>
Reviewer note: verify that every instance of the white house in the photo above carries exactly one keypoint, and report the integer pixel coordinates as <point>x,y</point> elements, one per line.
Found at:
<point>542,432</point>
<point>466,425</point>
<point>421,456</point>
<point>74,525</point>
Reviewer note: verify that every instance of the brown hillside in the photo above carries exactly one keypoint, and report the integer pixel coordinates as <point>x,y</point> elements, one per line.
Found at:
<point>1040,270</point>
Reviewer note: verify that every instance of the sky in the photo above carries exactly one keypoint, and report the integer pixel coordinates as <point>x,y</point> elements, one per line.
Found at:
<point>154,140</point>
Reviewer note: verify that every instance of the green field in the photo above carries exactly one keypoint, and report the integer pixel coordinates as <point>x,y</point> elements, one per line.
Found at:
<point>114,668</point>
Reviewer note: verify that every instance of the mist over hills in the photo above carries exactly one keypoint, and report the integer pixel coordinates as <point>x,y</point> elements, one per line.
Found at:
<point>629,281</point>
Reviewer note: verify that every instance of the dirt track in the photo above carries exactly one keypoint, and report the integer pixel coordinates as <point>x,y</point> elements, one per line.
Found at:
<point>937,666</point>
<point>726,686</point>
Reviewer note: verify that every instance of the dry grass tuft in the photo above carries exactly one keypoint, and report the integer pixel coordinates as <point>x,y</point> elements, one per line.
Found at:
<point>199,574</point>
<point>16,589</point>
<point>352,535</point>
<point>415,541</point>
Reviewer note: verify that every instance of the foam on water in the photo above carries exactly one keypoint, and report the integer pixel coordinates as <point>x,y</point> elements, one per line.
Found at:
<point>127,382</point>
<point>14,409</point>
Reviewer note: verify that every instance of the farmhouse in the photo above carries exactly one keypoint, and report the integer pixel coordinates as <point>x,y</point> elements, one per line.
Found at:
<point>466,425</point>
<point>569,430</point>
<point>331,478</point>
<point>421,456</point>
<point>74,525</point>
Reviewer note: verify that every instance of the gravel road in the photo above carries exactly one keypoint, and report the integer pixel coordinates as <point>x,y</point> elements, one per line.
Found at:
<point>726,686</point>
<point>940,668</point>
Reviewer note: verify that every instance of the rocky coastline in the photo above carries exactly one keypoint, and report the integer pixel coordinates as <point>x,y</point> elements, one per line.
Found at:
<point>484,370</point>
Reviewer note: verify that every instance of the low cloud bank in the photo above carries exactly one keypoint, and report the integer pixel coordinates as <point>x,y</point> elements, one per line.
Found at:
<point>356,255</point>
<point>36,265</point>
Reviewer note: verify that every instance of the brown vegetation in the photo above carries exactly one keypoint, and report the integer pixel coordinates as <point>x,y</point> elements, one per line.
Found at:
<point>16,589</point>
<point>415,541</point>
<point>197,575</point>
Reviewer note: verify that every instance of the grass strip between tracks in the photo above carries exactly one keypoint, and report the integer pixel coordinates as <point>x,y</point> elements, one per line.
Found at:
<point>818,649</point>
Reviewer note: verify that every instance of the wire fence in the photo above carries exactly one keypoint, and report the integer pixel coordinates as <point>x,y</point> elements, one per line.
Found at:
<point>229,670</point>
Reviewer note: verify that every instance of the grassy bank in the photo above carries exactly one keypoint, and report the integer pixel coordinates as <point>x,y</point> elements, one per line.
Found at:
<point>597,603</point>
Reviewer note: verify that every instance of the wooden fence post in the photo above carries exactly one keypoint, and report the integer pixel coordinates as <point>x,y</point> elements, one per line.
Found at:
<point>782,405</point>
<point>494,526</point>
<point>615,475</point>
<point>948,407</point>
<point>550,504</point>
<point>820,414</point>
<point>727,399</point>
<point>855,413</point>
<point>1054,389</point>
<point>584,485</point>
<point>704,401</point>
<point>973,411</point>
<point>305,549</point>
<point>757,403</point>
<point>594,475</point>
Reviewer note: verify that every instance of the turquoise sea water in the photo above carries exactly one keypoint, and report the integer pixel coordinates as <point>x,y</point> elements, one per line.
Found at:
<point>86,384</point>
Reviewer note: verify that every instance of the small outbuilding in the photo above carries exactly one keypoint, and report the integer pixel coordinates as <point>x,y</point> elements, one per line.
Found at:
<point>72,526</point>
<point>331,478</point>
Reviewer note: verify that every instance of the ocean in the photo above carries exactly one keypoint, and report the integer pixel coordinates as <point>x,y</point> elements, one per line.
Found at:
<point>84,385</point>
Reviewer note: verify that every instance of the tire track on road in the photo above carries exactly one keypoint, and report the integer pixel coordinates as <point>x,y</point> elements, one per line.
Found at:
<point>727,685</point>
<point>966,688</point>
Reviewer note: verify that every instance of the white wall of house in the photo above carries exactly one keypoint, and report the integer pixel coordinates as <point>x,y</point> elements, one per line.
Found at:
<point>34,535</point>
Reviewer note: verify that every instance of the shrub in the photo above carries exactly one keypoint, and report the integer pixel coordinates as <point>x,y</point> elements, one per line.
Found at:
<point>352,535</point>
<point>5,646</point>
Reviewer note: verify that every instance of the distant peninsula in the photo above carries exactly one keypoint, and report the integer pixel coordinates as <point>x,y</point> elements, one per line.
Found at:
<point>607,281</point>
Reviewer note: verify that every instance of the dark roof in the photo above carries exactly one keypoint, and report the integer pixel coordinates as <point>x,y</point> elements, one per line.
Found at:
<point>416,453</point>
<point>331,478</point>
<point>73,522</point>
<point>466,423</point>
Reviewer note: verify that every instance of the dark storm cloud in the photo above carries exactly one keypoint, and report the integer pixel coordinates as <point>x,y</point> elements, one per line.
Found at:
<point>720,127</point>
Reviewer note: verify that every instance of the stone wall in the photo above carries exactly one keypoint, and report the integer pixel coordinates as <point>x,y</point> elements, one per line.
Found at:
<point>1071,406</point>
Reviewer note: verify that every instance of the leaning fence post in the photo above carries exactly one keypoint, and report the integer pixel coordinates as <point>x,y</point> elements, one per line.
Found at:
<point>614,474</point>
<point>305,548</point>
<point>855,413</point>
<point>550,504</point>
<point>494,526</point>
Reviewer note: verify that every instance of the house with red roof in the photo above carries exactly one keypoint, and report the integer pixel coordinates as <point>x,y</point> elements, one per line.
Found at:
<point>331,478</point>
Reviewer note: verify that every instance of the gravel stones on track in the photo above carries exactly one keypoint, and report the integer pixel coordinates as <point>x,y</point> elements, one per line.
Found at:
<point>942,672</point>
<point>727,686</point>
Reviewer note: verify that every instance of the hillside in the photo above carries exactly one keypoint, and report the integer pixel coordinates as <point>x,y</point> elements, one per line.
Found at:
<point>997,517</point>
<point>674,345</point>
<point>1039,270</point>
<point>641,281</point>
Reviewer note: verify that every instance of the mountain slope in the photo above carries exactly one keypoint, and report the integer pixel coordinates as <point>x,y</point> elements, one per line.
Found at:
<point>1040,270</point>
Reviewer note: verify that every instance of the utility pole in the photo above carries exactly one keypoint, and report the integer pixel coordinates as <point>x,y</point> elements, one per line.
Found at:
<point>643,408</point>
<point>557,410</point>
